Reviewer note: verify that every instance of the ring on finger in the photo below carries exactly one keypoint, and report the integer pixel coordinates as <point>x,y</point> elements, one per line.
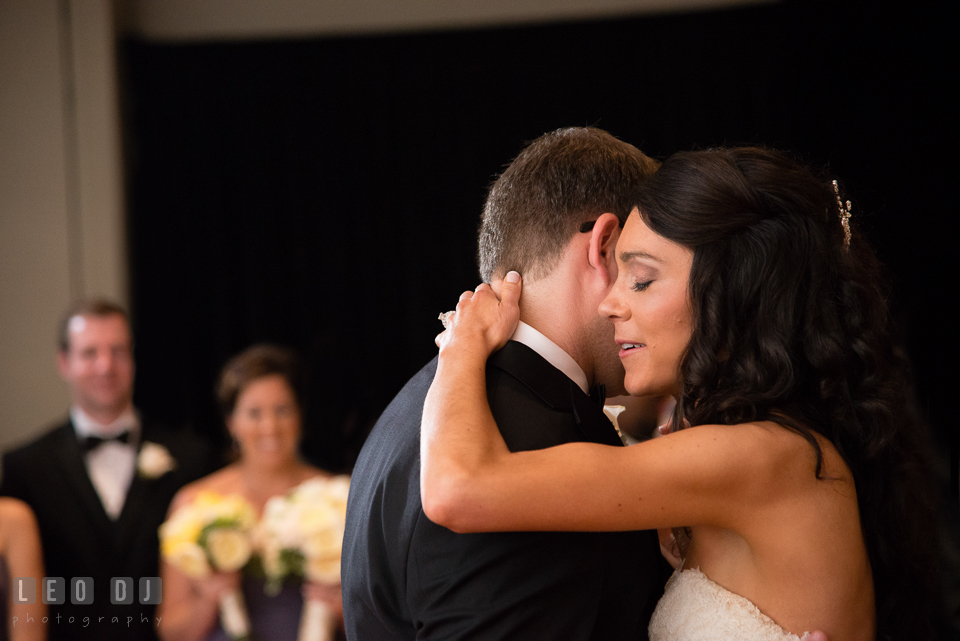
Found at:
<point>445,318</point>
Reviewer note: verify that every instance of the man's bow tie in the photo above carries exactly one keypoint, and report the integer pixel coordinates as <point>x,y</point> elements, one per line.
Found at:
<point>92,442</point>
<point>598,394</point>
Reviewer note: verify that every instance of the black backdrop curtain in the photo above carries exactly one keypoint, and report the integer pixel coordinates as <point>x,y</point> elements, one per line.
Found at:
<point>325,193</point>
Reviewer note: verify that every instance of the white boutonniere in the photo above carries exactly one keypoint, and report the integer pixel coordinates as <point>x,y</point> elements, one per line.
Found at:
<point>154,461</point>
<point>612,412</point>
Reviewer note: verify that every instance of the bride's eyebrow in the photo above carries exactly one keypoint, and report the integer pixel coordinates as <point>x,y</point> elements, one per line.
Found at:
<point>626,257</point>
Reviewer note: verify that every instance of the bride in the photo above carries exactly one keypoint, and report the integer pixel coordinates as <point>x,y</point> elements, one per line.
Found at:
<point>799,491</point>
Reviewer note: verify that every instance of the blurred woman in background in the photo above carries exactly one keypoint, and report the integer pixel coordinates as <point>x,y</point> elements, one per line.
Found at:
<point>20,556</point>
<point>258,396</point>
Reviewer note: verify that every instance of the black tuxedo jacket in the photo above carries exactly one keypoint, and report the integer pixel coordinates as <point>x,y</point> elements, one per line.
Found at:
<point>404,577</point>
<point>80,540</point>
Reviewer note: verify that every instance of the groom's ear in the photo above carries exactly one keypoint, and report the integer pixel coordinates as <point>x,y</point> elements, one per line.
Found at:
<point>603,246</point>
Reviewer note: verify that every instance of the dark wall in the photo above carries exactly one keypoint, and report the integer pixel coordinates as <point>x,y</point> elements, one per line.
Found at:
<point>325,193</point>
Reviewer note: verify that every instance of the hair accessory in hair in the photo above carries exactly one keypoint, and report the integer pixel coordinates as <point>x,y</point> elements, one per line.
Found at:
<point>844,213</point>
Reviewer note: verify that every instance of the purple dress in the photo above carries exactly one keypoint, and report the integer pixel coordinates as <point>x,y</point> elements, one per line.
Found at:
<point>272,618</point>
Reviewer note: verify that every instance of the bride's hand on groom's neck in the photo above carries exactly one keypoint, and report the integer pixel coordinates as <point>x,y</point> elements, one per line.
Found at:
<point>484,321</point>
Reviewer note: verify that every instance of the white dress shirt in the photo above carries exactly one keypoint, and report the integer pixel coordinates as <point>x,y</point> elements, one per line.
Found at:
<point>111,465</point>
<point>552,353</point>
<point>556,356</point>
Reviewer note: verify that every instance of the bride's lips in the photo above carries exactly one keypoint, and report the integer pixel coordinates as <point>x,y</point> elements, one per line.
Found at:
<point>628,347</point>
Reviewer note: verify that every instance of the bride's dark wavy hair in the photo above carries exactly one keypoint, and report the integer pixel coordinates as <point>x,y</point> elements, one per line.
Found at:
<point>791,325</point>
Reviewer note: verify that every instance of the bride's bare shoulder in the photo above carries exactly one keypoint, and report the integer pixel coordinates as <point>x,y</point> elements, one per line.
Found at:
<point>792,448</point>
<point>764,438</point>
<point>771,454</point>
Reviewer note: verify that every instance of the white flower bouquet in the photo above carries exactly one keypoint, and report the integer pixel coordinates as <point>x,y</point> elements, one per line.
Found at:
<point>213,533</point>
<point>301,534</point>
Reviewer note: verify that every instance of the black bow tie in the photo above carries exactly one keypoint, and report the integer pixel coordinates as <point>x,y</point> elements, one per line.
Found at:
<point>598,394</point>
<point>92,442</point>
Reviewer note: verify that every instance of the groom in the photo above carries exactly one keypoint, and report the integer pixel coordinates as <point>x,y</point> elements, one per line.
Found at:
<point>554,216</point>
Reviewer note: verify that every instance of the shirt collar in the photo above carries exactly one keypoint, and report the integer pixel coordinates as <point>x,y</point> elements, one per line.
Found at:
<point>552,353</point>
<point>86,426</point>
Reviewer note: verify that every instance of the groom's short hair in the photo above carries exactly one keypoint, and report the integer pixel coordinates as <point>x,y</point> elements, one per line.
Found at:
<point>96,307</point>
<point>558,182</point>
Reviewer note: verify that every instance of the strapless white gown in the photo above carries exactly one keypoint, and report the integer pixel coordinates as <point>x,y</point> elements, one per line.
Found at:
<point>694,608</point>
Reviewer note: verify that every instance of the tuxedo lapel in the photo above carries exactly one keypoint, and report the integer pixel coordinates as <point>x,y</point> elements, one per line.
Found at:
<point>75,477</point>
<point>556,390</point>
<point>594,424</point>
<point>141,500</point>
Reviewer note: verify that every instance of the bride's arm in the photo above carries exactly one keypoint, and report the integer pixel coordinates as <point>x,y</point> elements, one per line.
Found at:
<point>471,482</point>
<point>458,432</point>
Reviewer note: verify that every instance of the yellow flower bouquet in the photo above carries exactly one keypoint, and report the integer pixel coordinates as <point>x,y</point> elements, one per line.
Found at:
<point>213,533</point>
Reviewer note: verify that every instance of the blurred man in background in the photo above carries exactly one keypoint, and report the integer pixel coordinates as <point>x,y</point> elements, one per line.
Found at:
<point>100,482</point>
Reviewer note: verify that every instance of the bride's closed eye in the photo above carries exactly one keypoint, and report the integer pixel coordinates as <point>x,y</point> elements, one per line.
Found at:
<point>639,287</point>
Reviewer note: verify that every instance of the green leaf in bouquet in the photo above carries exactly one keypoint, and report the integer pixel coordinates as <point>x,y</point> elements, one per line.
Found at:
<point>292,561</point>
<point>226,544</point>
<point>220,523</point>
